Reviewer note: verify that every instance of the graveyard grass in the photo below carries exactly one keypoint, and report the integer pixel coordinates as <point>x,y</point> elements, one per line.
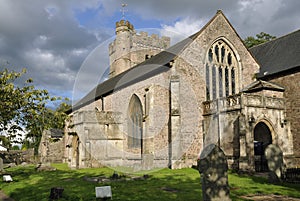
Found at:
<point>162,185</point>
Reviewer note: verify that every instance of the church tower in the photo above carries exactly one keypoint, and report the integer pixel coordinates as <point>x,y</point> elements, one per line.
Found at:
<point>119,50</point>
<point>130,48</point>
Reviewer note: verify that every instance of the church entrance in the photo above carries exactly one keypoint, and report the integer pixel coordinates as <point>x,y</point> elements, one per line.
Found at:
<point>262,138</point>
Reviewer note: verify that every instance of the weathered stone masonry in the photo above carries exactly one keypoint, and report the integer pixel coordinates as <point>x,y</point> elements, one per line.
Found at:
<point>202,90</point>
<point>291,83</point>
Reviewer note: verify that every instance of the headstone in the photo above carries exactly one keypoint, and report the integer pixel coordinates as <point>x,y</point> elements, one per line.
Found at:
<point>103,192</point>
<point>115,176</point>
<point>56,193</point>
<point>7,178</point>
<point>274,158</point>
<point>212,166</point>
<point>1,165</point>
<point>44,167</point>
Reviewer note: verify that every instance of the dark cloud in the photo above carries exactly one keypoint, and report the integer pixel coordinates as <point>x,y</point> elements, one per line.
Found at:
<point>48,38</point>
<point>45,38</point>
<point>247,16</point>
<point>169,10</point>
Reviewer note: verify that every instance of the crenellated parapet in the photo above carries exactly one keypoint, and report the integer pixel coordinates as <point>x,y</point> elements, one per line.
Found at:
<point>139,40</point>
<point>131,48</point>
<point>153,41</point>
<point>123,25</point>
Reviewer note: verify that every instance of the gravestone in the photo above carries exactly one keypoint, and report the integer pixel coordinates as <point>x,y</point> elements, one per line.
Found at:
<point>7,178</point>
<point>103,192</point>
<point>1,165</point>
<point>56,193</point>
<point>274,158</point>
<point>212,166</point>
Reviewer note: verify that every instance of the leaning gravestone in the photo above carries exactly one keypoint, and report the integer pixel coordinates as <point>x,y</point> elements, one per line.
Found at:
<point>274,158</point>
<point>212,166</point>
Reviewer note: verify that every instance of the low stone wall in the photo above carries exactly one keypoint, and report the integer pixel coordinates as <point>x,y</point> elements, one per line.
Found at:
<point>17,157</point>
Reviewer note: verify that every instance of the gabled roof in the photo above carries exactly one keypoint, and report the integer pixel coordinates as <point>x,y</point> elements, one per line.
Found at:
<point>260,85</point>
<point>279,55</point>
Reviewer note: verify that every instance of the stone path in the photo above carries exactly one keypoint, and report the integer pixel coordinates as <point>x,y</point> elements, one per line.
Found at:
<point>4,197</point>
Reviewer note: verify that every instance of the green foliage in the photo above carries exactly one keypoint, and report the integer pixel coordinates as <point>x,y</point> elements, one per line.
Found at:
<point>163,185</point>
<point>260,38</point>
<point>5,141</point>
<point>15,147</point>
<point>24,108</point>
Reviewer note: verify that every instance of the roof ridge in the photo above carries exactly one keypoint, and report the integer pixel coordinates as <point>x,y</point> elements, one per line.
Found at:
<point>275,39</point>
<point>261,85</point>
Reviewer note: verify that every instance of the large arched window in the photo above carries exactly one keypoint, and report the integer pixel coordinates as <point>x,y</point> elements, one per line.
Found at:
<point>221,71</point>
<point>135,123</point>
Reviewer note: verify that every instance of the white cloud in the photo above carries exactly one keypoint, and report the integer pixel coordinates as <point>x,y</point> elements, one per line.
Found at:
<point>46,59</point>
<point>182,29</point>
<point>51,10</point>
<point>79,52</point>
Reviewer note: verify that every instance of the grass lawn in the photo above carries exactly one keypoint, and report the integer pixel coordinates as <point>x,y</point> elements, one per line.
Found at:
<point>162,185</point>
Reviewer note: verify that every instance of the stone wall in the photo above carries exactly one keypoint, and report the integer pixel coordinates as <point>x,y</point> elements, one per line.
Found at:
<point>51,149</point>
<point>17,157</point>
<point>291,84</point>
<point>154,97</point>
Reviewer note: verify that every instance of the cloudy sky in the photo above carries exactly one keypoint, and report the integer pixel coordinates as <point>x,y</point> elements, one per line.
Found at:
<point>54,38</point>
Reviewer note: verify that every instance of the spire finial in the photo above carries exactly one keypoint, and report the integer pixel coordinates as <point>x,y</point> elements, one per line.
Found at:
<point>123,10</point>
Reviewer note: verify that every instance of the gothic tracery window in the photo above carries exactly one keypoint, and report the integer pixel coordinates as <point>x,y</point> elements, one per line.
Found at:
<point>221,71</point>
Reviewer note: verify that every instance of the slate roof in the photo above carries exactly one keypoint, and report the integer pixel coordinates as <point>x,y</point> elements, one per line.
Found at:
<point>279,55</point>
<point>151,67</point>
<point>262,85</point>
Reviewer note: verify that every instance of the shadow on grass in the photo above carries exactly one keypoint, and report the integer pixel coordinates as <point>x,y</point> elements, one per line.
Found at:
<point>243,184</point>
<point>163,185</point>
<point>30,184</point>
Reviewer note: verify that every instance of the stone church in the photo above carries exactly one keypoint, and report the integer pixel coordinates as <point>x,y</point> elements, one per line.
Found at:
<point>161,105</point>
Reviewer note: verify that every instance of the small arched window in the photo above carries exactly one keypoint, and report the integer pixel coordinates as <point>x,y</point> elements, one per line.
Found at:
<point>135,123</point>
<point>221,71</point>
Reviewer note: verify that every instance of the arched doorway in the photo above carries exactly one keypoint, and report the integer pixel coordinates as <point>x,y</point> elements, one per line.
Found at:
<point>262,138</point>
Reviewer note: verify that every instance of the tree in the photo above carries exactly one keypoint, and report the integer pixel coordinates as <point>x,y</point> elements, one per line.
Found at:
<point>47,119</point>
<point>24,108</point>
<point>260,38</point>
